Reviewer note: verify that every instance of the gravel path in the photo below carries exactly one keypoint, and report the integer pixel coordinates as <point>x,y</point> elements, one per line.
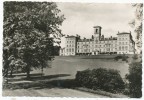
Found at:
<point>59,92</point>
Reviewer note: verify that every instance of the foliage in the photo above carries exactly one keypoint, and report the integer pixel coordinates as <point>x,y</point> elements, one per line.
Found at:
<point>56,50</point>
<point>27,31</point>
<point>101,78</point>
<point>123,57</point>
<point>135,79</point>
<point>135,56</point>
<point>137,24</point>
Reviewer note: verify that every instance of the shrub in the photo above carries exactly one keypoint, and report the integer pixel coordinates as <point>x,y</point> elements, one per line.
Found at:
<point>83,77</point>
<point>118,57</point>
<point>135,79</point>
<point>123,57</point>
<point>108,80</point>
<point>135,57</point>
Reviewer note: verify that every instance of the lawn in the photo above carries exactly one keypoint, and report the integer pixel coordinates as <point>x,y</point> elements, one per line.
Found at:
<point>70,65</point>
<point>58,80</point>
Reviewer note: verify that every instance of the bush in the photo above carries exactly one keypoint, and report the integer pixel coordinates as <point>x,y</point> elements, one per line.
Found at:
<point>108,80</point>
<point>123,57</point>
<point>135,79</point>
<point>135,57</point>
<point>83,77</point>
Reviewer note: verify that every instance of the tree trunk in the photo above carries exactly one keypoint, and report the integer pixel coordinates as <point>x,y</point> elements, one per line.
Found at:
<point>28,72</point>
<point>11,72</point>
<point>6,73</point>
<point>41,71</point>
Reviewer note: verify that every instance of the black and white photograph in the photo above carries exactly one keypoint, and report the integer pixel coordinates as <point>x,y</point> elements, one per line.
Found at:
<point>72,49</point>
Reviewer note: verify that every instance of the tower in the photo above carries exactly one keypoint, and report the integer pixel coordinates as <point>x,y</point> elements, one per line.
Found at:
<point>97,32</point>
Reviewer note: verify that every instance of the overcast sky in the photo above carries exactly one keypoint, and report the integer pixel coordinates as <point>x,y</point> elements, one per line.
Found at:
<point>81,17</point>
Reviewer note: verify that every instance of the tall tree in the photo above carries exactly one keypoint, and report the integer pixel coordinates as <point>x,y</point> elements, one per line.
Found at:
<point>28,27</point>
<point>137,24</point>
<point>135,67</point>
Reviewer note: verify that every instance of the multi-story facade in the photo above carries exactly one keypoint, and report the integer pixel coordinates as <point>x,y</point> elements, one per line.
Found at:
<point>98,44</point>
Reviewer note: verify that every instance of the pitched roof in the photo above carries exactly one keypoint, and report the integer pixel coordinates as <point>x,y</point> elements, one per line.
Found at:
<point>70,36</point>
<point>123,33</point>
<point>84,40</point>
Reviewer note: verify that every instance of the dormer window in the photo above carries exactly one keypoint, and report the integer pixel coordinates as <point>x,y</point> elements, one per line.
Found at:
<point>96,30</point>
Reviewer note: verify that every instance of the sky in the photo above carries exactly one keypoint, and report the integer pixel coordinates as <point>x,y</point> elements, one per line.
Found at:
<point>81,17</point>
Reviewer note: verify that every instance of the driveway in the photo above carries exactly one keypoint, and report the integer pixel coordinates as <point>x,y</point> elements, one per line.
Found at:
<point>53,92</point>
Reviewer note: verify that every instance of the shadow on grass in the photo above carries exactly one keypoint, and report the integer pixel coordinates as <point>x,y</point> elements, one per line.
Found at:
<point>37,77</point>
<point>38,82</point>
<point>65,83</point>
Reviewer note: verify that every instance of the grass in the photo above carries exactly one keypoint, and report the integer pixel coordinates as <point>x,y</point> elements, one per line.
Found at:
<point>102,93</point>
<point>70,65</point>
<point>62,71</point>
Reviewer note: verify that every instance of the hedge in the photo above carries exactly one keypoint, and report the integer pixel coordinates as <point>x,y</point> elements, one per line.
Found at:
<point>101,78</point>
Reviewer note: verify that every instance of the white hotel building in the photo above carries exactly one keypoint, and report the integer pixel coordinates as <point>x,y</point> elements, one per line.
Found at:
<point>98,44</point>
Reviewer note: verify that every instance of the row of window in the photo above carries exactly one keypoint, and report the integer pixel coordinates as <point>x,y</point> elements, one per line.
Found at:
<point>123,38</point>
<point>111,45</point>
<point>96,42</point>
<point>123,47</point>
<point>108,49</point>
<point>70,50</point>
<point>85,43</point>
<point>102,50</point>
<point>123,43</point>
<point>106,41</point>
<point>70,41</point>
<point>70,45</point>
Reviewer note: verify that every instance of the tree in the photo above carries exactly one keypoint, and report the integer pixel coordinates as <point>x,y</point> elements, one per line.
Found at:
<point>56,50</point>
<point>135,79</point>
<point>135,68</point>
<point>27,31</point>
<point>137,24</point>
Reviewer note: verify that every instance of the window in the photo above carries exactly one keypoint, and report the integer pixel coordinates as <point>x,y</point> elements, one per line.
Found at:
<point>119,48</point>
<point>119,42</point>
<point>72,50</point>
<point>96,30</point>
<point>122,48</point>
<point>126,48</point>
